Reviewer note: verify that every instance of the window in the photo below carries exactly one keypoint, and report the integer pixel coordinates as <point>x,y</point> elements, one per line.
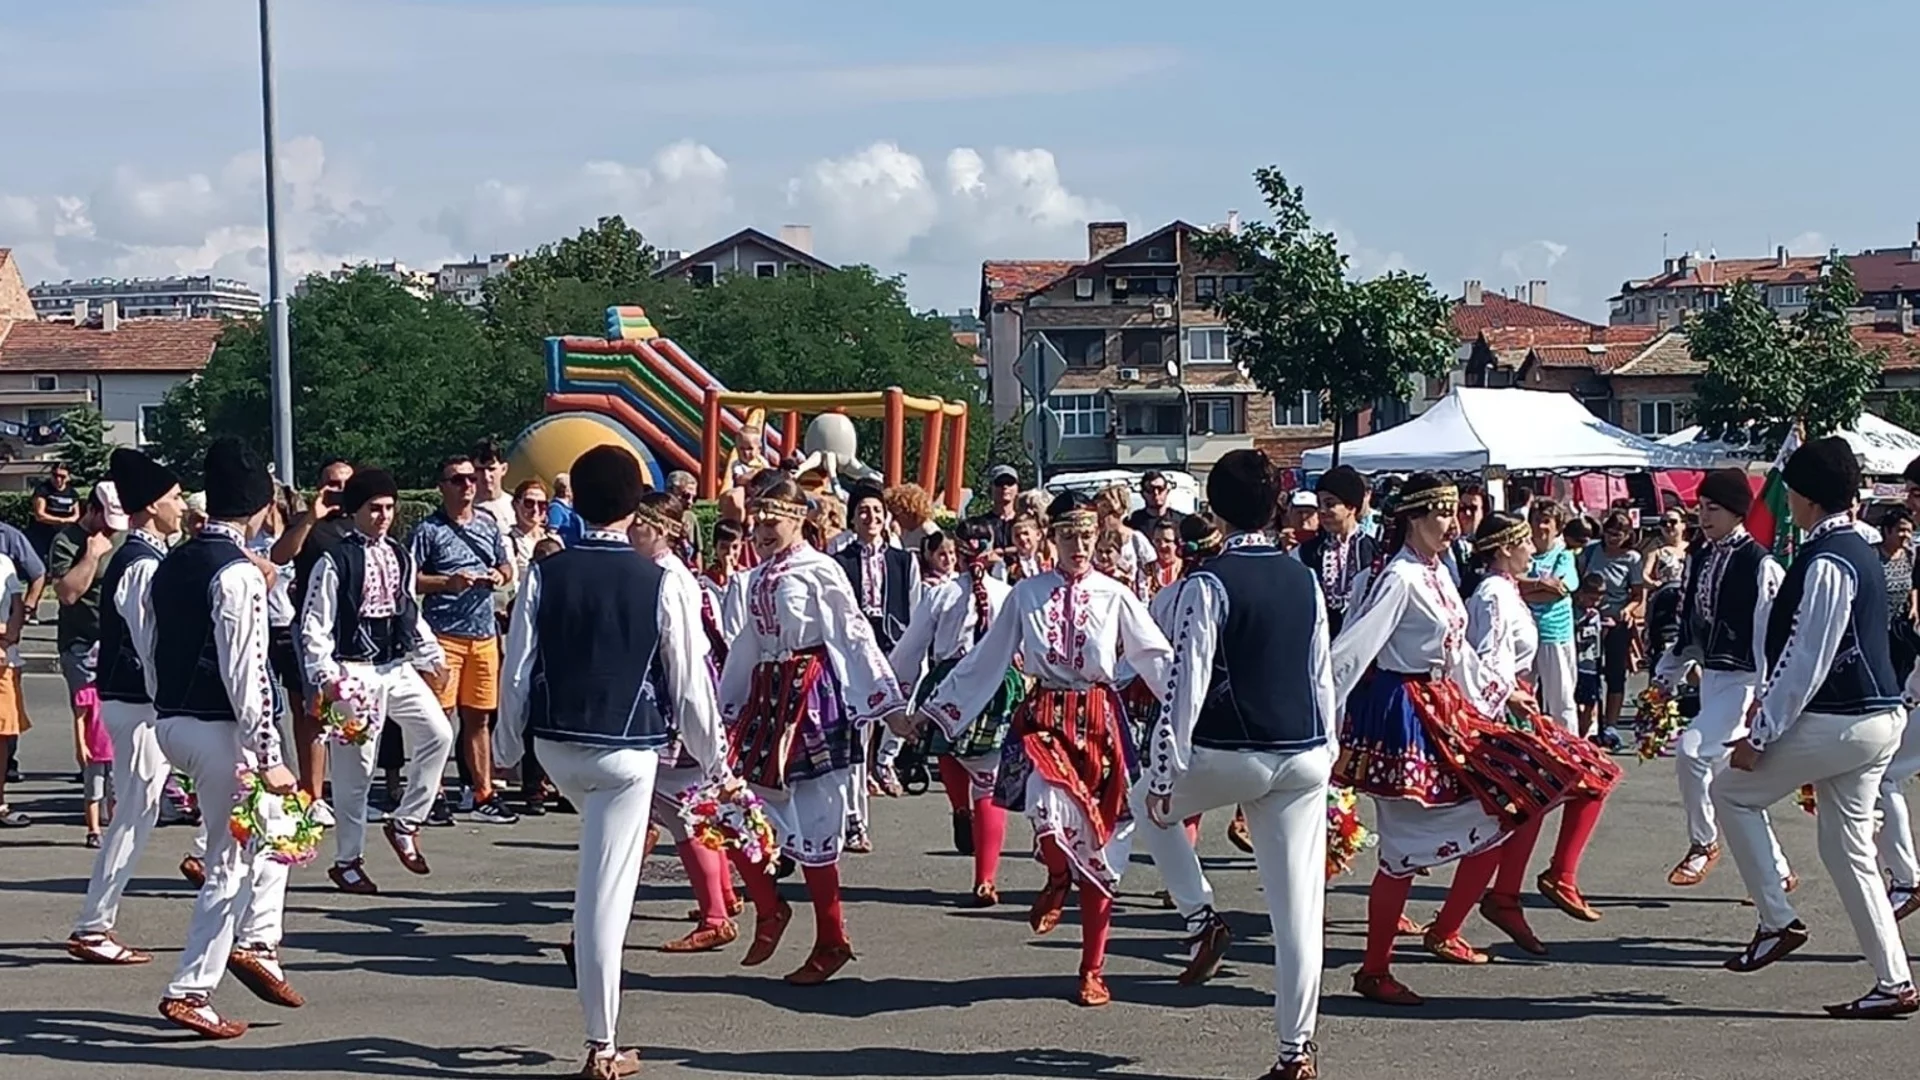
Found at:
<point>1151,286</point>
<point>149,425</point>
<point>1303,411</point>
<point>1158,418</point>
<point>1207,346</point>
<point>766,269</point>
<point>1217,416</point>
<point>1659,418</point>
<point>793,268</point>
<point>1117,288</point>
<point>1156,254</point>
<point>703,273</point>
<point>37,417</point>
<point>1083,288</point>
<point>1083,349</point>
<point>46,382</point>
<point>1141,349</point>
<point>1081,416</point>
<point>1203,287</point>
<point>1790,295</point>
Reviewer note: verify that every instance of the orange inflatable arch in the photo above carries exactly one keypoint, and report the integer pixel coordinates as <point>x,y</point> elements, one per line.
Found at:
<point>940,420</point>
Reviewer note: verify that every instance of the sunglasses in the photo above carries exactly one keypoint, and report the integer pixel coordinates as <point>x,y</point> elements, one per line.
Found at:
<point>464,479</point>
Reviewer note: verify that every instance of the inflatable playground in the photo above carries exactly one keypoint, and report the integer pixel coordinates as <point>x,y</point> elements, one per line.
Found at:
<point>637,389</point>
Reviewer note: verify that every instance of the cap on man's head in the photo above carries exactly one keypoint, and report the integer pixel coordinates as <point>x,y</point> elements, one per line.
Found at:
<point>1304,499</point>
<point>1003,474</point>
<point>107,499</point>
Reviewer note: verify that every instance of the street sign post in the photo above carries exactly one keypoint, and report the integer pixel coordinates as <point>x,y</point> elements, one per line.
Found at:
<point>1040,368</point>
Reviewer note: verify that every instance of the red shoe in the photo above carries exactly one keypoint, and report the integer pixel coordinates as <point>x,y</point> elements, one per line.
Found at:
<point>767,932</point>
<point>194,869</point>
<point>406,847</point>
<point>1093,991</point>
<point>104,948</point>
<point>259,971</point>
<point>1566,896</point>
<point>1385,989</point>
<point>1507,916</point>
<point>704,938</point>
<point>196,1014</point>
<point>1047,907</point>
<point>1454,950</point>
<point>1409,928</point>
<point>986,895</point>
<point>821,965</point>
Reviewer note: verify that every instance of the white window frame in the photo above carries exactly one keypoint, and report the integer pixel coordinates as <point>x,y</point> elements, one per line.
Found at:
<point>1210,404</point>
<point>1225,355</point>
<point>1312,410</point>
<point>1654,430</point>
<point>142,426</point>
<point>1081,416</point>
<point>1083,288</point>
<point>713,270</point>
<point>773,269</point>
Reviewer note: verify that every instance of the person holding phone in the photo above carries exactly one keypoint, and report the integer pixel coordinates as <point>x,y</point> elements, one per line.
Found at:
<point>309,535</point>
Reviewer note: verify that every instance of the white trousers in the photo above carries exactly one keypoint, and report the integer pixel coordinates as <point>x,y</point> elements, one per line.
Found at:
<point>613,790</point>
<point>1173,854</point>
<point>140,773</point>
<point>240,887</point>
<point>1844,758</point>
<point>1896,824</point>
<point>1556,675</point>
<point>667,786</point>
<point>890,747</point>
<point>428,737</point>
<point>1285,798</point>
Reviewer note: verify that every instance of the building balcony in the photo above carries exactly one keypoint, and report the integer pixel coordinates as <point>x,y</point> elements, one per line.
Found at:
<point>46,399</point>
<point>1149,451</point>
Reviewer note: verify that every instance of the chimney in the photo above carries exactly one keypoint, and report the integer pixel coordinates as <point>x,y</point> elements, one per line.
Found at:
<point>1669,265</point>
<point>1913,252</point>
<point>1537,293</point>
<point>1233,223</point>
<point>110,316</point>
<point>1104,238</point>
<point>1780,256</point>
<point>82,312</point>
<point>1471,295</point>
<point>798,237</point>
<point>1685,265</point>
<point>1906,317</point>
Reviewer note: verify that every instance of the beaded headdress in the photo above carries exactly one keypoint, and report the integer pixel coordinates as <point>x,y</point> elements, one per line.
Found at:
<point>1516,533</point>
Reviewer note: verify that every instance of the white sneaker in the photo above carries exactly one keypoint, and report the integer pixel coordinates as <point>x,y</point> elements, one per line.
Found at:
<point>321,813</point>
<point>465,805</point>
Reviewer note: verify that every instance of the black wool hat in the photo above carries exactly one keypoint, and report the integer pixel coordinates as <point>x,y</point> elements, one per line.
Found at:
<point>238,484</point>
<point>366,485</point>
<point>607,484</point>
<point>861,493</point>
<point>140,480</point>
<point>1345,483</point>
<point>1826,472</point>
<point>1728,489</point>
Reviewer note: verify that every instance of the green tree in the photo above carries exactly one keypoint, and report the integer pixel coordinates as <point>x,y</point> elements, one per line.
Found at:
<point>1901,409</point>
<point>1306,327</point>
<point>379,376</point>
<point>1764,374</point>
<point>83,443</point>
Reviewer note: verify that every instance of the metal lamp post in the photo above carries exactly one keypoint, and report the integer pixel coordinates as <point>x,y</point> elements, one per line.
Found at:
<point>276,287</point>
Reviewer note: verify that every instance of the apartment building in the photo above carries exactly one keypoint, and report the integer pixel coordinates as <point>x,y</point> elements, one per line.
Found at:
<point>464,282</point>
<point>190,297</point>
<point>747,252</point>
<point>1690,283</point>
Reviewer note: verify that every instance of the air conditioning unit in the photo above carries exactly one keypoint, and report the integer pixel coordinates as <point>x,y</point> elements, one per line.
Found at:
<point>1129,374</point>
<point>1163,310</point>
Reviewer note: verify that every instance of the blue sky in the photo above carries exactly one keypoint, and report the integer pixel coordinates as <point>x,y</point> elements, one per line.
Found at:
<point>1499,142</point>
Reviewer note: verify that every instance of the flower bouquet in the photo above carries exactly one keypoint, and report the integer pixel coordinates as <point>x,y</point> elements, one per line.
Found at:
<point>1656,721</point>
<point>1346,837</point>
<point>279,826</point>
<point>730,815</point>
<point>351,715</point>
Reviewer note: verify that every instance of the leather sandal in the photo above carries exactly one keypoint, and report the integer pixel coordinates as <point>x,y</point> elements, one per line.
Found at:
<point>259,971</point>
<point>1409,928</point>
<point>1209,942</point>
<point>704,938</point>
<point>1566,896</point>
<point>1879,1005</point>
<point>1694,866</point>
<point>1047,907</point>
<point>986,895</point>
<point>352,878</point>
<point>767,932</point>
<point>1907,902</point>
<point>195,1013</point>
<point>1301,1066</point>
<point>1237,833</point>
<point>1768,946</point>
<point>1454,949</point>
<point>1510,918</point>
<point>620,1063</point>
<point>822,964</point>
<point>406,847</point>
<point>194,870</point>
<point>1093,991</point>
<point>1385,989</point>
<point>104,948</point>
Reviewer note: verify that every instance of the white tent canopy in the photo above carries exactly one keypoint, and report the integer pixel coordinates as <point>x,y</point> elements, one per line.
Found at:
<point>1517,430</point>
<point>1884,448</point>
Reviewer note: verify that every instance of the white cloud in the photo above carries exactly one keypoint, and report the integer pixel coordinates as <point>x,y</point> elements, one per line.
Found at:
<point>1533,259</point>
<point>1364,262</point>
<point>1809,243</point>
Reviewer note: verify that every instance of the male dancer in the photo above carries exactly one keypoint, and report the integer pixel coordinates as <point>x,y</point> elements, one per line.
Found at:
<point>1829,714</point>
<point>208,606</point>
<point>887,583</point>
<point>1340,550</point>
<point>151,494</point>
<point>1723,619</point>
<point>360,621</point>
<point>582,677</point>
<point>1247,722</point>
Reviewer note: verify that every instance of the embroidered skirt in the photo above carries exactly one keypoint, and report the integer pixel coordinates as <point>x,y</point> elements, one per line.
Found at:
<point>988,732</point>
<point>1066,767</point>
<point>795,725</point>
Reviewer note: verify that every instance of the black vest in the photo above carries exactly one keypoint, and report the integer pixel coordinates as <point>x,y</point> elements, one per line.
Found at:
<point>1313,553</point>
<point>359,638</point>
<point>1862,680</point>
<point>897,592</point>
<point>596,661</point>
<point>118,675</point>
<point>1260,694</point>
<point>1726,644</point>
<point>186,659</point>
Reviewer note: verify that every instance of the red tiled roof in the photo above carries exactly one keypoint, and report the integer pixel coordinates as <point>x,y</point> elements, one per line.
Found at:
<point>1902,350</point>
<point>1005,282</point>
<point>1668,355</point>
<point>1496,312</point>
<point>1884,271</point>
<point>1720,273</point>
<point>180,346</point>
<point>1599,348</point>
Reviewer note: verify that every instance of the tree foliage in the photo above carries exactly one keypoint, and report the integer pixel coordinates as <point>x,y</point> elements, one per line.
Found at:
<point>1765,374</point>
<point>83,444</point>
<point>1306,327</point>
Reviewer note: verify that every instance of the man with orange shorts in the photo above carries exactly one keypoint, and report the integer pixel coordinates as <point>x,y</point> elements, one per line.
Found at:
<point>460,558</point>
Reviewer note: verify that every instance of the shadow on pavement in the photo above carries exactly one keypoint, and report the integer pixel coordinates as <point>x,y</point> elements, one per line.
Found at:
<point>900,1061</point>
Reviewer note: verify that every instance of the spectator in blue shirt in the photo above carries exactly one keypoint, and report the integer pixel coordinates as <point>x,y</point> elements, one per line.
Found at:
<point>561,517</point>
<point>1548,589</point>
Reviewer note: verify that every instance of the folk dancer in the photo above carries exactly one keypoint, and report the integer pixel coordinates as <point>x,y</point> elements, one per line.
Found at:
<point>1339,551</point>
<point>1067,764</point>
<point>1723,618</point>
<point>886,579</point>
<point>1448,782</point>
<point>584,679</point>
<point>1896,819</point>
<point>1829,713</point>
<point>365,645</point>
<point>1501,631</point>
<point>951,619</point>
<point>801,684</point>
<point>1247,722</point>
<point>207,612</point>
<point>151,494</point>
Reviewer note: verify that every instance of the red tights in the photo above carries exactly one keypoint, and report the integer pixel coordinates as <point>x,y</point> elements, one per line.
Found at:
<point>1387,901</point>
<point>709,874</point>
<point>989,820</point>
<point>1096,908</point>
<point>1578,820</point>
<point>823,888</point>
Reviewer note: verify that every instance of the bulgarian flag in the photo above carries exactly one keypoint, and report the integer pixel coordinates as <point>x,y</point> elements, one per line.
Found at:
<point>1768,521</point>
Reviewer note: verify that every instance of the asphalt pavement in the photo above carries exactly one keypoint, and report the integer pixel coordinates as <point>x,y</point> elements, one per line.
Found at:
<point>458,974</point>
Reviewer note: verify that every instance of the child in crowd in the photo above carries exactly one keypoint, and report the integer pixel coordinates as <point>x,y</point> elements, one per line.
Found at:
<point>938,558</point>
<point>1589,627</point>
<point>1030,555</point>
<point>95,749</point>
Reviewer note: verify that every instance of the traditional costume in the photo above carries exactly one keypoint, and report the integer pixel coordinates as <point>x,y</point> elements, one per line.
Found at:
<point>208,613</point>
<point>1339,559</point>
<point>141,771</point>
<point>1895,840</point>
<point>801,684</point>
<point>1246,722</point>
<point>1829,714</point>
<point>585,678</point>
<point>1068,761</point>
<point>1724,610</point>
<point>364,644</point>
<point>951,618</point>
<point>886,579</point>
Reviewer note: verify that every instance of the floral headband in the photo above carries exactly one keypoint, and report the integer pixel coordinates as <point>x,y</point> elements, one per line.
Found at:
<point>1516,533</point>
<point>777,509</point>
<point>1434,498</point>
<point>665,525</point>
<point>1206,545</point>
<point>1076,520</point>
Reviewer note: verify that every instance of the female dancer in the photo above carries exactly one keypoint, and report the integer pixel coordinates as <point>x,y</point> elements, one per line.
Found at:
<point>1501,630</point>
<point>1448,784</point>
<point>952,618</point>
<point>801,680</point>
<point>1067,765</point>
